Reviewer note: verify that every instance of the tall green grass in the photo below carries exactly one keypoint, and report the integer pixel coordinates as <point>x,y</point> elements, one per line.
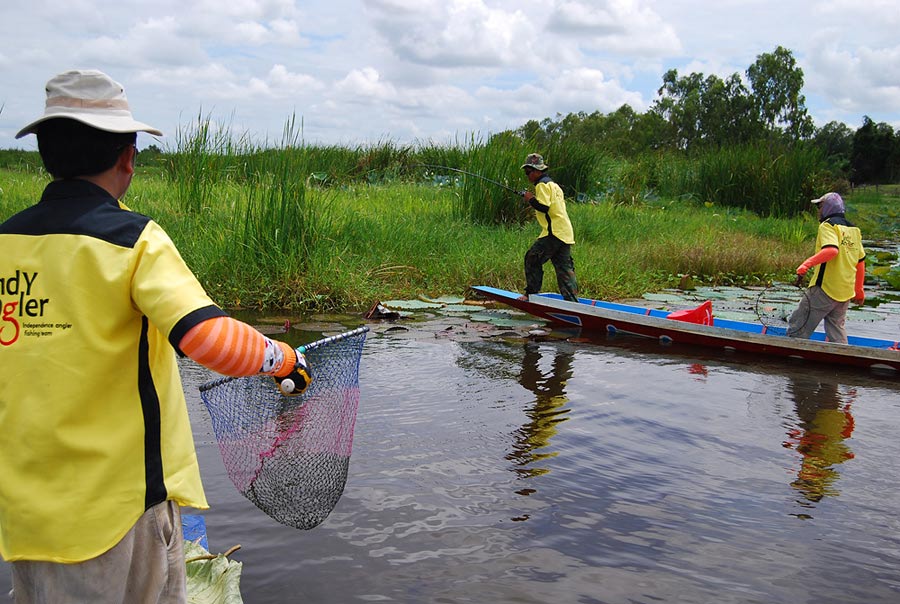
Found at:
<point>285,225</point>
<point>20,160</point>
<point>765,179</point>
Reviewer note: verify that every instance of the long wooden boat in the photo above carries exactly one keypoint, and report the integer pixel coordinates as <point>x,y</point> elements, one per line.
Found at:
<point>596,315</point>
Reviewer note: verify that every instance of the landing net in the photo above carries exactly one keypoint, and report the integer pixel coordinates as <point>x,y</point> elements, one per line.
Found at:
<point>290,455</point>
<point>777,302</point>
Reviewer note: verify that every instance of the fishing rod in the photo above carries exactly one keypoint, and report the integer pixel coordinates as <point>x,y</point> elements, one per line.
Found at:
<point>484,178</point>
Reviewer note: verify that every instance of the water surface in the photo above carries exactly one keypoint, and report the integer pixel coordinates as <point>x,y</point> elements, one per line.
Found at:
<point>512,470</point>
<point>507,469</point>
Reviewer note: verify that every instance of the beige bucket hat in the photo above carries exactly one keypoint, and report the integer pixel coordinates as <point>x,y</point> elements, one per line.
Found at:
<point>91,97</point>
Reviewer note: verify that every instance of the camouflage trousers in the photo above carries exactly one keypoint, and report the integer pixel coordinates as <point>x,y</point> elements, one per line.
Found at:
<point>560,254</point>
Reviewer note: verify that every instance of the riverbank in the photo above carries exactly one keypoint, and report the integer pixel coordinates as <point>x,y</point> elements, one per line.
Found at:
<point>360,243</point>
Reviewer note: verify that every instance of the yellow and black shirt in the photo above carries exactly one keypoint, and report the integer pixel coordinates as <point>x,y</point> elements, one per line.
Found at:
<point>550,211</point>
<point>94,426</point>
<point>837,277</point>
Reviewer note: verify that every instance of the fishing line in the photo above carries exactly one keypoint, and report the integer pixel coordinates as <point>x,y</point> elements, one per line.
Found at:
<point>467,173</point>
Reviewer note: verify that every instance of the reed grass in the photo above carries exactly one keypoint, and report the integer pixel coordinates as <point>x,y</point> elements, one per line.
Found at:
<point>286,225</point>
<point>402,240</point>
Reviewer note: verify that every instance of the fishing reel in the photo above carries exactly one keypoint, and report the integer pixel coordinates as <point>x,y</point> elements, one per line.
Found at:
<point>297,381</point>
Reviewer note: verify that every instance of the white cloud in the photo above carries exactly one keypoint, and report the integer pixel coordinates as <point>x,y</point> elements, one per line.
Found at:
<point>863,80</point>
<point>453,33</point>
<point>288,83</point>
<point>575,89</point>
<point>432,68</point>
<point>615,26</point>
<point>365,85</point>
<point>152,42</point>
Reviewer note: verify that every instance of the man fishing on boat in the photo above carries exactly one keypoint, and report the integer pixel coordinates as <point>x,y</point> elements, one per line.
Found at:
<point>838,272</point>
<point>557,236</point>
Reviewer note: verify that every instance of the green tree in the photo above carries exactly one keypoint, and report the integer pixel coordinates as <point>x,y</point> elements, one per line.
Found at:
<point>776,81</point>
<point>679,104</point>
<point>835,141</point>
<point>622,133</point>
<point>873,158</point>
<point>705,111</point>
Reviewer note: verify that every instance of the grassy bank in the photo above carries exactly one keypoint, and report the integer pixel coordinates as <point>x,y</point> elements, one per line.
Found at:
<point>401,240</point>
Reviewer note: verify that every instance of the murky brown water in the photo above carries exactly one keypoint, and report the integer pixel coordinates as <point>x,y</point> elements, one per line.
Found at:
<point>491,468</point>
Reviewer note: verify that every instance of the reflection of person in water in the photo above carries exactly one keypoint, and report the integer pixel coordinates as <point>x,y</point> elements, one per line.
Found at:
<point>825,423</point>
<point>548,386</point>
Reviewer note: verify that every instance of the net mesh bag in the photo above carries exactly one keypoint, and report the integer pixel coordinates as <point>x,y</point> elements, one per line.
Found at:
<point>289,455</point>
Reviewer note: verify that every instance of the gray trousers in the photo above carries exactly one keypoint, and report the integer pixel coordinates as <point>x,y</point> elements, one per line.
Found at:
<point>815,306</point>
<point>146,566</point>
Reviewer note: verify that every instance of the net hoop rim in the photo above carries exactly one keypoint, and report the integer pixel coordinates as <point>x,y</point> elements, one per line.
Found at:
<point>301,350</point>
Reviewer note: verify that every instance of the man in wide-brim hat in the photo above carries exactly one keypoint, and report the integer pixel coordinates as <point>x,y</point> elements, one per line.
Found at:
<point>97,454</point>
<point>557,236</point>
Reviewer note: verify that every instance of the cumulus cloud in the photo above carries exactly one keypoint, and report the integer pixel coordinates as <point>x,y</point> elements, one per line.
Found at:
<point>248,10</point>
<point>365,85</point>
<point>587,89</point>
<point>429,68</point>
<point>568,91</point>
<point>149,42</point>
<point>453,33</point>
<point>621,26</point>
<point>864,80</point>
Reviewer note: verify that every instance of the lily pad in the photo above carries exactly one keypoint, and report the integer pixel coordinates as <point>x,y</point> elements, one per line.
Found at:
<point>411,304</point>
<point>503,318</point>
<point>720,293</point>
<point>462,308</point>
<point>443,300</point>
<point>664,298</point>
<point>864,315</point>
<point>512,322</point>
<point>735,315</point>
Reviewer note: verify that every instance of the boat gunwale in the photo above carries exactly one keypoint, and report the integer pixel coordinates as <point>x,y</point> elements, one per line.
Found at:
<point>859,351</point>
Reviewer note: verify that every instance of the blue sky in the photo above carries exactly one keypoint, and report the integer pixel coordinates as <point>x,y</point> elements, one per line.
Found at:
<point>365,71</point>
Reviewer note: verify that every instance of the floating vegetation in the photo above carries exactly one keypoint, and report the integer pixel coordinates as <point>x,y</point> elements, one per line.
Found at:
<point>443,300</point>
<point>666,298</point>
<point>740,303</point>
<point>502,318</point>
<point>865,315</point>
<point>731,303</point>
<point>451,306</point>
<point>411,304</point>
<point>460,308</point>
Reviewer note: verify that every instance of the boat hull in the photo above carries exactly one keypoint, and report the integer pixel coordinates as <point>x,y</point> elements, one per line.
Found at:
<point>599,316</point>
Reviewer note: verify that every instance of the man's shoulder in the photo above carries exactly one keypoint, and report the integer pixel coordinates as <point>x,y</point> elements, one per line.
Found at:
<point>94,217</point>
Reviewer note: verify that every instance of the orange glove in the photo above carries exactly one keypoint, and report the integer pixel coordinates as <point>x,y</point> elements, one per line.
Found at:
<point>232,347</point>
<point>860,296</point>
<point>824,255</point>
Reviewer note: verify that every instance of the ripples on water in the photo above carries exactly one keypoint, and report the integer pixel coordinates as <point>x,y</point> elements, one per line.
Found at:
<point>511,471</point>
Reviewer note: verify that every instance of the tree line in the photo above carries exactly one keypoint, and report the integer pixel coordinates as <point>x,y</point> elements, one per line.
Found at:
<point>696,113</point>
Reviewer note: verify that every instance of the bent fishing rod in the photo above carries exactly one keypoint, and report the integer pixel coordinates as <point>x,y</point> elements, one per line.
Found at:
<point>484,178</point>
